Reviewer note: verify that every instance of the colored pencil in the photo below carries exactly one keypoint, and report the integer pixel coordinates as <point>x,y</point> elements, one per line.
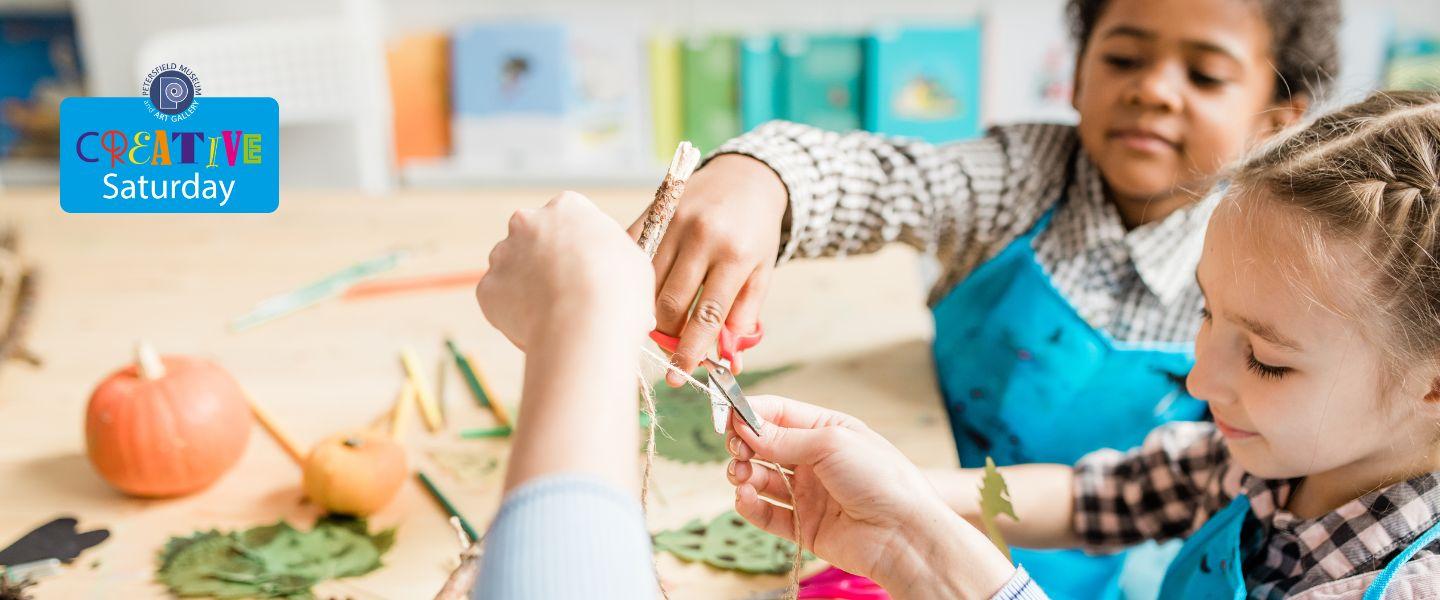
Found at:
<point>402,412</point>
<point>316,292</point>
<point>445,504</point>
<point>272,427</point>
<point>471,379</point>
<point>423,392</point>
<point>487,432</point>
<point>400,285</point>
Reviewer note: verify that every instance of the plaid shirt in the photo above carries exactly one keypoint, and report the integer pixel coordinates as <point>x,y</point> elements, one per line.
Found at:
<point>965,202</point>
<point>1182,475</point>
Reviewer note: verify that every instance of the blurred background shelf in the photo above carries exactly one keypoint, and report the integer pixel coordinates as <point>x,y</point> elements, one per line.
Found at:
<point>380,94</point>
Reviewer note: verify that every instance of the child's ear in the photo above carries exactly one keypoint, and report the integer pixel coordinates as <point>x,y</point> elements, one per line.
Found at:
<point>1285,113</point>
<point>1433,398</point>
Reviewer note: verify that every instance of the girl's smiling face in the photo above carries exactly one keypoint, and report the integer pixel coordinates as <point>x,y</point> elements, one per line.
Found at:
<point>1294,384</point>
<point>1171,91</point>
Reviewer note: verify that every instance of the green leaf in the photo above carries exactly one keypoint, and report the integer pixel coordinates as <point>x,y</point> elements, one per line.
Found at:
<point>994,501</point>
<point>684,416</point>
<point>729,542</point>
<point>270,561</point>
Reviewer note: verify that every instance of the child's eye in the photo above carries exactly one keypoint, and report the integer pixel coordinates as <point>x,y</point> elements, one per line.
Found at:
<point>1205,81</point>
<point>1121,62</point>
<point>1205,313</point>
<point>1265,371</point>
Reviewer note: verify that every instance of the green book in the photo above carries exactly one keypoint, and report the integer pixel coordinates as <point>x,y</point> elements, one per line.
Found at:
<point>822,80</point>
<point>710,106</point>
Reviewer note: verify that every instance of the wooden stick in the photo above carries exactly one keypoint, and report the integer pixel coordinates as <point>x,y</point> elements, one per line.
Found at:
<point>403,411</point>
<point>667,197</point>
<point>429,408</point>
<point>276,433</point>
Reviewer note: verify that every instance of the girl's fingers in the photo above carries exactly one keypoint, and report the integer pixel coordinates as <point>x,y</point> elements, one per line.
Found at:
<point>761,477</point>
<point>737,447</point>
<point>702,328</point>
<point>796,414</point>
<point>744,316</point>
<point>762,514</point>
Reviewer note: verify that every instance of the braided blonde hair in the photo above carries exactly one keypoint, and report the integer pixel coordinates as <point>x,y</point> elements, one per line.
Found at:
<point>1369,173</point>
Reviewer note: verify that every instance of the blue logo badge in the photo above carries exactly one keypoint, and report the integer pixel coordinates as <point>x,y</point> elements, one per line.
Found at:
<point>134,154</point>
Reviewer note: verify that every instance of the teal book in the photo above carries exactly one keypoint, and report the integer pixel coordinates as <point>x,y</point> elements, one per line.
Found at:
<point>924,82</point>
<point>761,99</point>
<point>822,85</point>
<point>710,109</point>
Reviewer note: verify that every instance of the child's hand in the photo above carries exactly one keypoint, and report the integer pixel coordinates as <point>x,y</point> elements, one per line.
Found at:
<point>725,237</point>
<point>863,506</point>
<point>565,267</point>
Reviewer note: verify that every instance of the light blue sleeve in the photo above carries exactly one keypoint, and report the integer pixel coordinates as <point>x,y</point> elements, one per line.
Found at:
<point>567,536</point>
<point>1020,587</point>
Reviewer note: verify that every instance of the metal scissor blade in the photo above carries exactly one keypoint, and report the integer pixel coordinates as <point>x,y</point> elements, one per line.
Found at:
<point>721,377</point>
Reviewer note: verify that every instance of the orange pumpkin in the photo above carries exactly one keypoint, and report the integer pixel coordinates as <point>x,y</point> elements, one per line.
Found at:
<point>166,426</point>
<point>355,473</point>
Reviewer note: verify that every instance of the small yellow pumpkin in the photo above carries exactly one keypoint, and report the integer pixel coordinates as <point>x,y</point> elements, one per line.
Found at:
<point>354,473</point>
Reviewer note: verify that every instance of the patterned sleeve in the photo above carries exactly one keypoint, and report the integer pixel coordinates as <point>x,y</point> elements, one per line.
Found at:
<point>852,193</point>
<point>1163,489</point>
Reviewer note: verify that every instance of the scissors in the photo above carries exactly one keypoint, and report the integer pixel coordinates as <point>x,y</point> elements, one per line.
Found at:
<point>721,380</point>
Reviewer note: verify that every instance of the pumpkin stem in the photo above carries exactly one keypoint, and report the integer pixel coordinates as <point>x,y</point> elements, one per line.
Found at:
<point>148,361</point>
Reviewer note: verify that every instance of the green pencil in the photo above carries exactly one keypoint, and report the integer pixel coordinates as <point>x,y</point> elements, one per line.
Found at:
<point>445,504</point>
<point>469,373</point>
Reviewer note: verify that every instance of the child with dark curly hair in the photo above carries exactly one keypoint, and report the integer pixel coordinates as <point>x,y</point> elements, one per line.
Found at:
<point>1066,305</point>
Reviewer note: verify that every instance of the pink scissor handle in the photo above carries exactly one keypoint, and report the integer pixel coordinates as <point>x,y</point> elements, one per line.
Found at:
<point>730,343</point>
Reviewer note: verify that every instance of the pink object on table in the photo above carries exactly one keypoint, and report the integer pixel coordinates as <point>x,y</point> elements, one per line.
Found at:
<point>838,585</point>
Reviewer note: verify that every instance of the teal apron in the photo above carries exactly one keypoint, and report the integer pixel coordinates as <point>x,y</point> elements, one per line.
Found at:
<point>1209,564</point>
<point>1026,379</point>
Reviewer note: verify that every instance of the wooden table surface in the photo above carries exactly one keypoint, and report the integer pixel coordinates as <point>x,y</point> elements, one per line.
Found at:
<point>857,328</point>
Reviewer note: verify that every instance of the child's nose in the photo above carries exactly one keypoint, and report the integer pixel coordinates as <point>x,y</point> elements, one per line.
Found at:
<point>1157,88</point>
<point>1203,383</point>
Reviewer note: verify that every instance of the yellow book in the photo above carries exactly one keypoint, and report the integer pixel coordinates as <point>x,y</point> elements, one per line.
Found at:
<point>665,94</point>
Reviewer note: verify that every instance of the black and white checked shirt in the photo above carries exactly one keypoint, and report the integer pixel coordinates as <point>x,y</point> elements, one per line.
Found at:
<point>965,202</point>
<point>1183,475</point>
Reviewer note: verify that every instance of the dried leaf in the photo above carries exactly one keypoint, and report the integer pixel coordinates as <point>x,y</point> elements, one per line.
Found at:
<point>995,500</point>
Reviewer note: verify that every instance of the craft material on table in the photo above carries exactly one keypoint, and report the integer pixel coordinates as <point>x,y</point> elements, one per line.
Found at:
<point>685,420</point>
<point>18,291</point>
<point>487,432</point>
<point>419,283</point>
<point>424,394</point>
<point>323,289</point>
<point>164,427</point>
<point>58,539</point>
<point>834,584</point>
<point>728,542</point>
<point>477,386</point>
<point>400,414</point>
<point>468,466</point>
<point>270,561</point>
<point>995,501</point>
<point>292,449</point>
<point>449,508</point>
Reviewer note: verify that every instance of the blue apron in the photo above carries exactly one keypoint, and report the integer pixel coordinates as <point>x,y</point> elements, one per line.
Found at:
<point>1209,564</point>
<point>1026,379</point>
